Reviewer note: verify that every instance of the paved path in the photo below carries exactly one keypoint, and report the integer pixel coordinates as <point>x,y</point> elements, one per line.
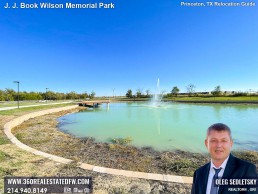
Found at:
<point>14,107</point>
<point>151,176</point>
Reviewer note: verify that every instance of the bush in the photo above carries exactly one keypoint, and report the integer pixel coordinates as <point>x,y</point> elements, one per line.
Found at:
<point>182,166</point>
<point>122,141</point>
<point>250,156</point>
<point>240,94</point>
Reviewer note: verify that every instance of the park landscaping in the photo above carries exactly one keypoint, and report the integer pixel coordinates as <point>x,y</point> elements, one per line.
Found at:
<point>16,162</point>
<point>196,99</point>
<point>213,99</point>
<point>42,133</point>
<point>4,104</point>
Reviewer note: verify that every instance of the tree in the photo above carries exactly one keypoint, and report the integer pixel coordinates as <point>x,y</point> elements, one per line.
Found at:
<point>129,93</point>
<point>71,95</point>
<point>60,96</point>
<point>175,91</point>
<point>92,95</point>
<point>2,94</point>
<point>190,89</point>
<point>138,93</point>
<point>216,91</point>
<point>10,94</point>
<point>85,95</point>
<point>52,95</point>
<point>147,93</point>
<point>30,96</point>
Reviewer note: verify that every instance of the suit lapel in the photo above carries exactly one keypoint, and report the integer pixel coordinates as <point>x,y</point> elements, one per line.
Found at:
<point>229,167</point>
<point>228,170</point>
<point>204,178</point>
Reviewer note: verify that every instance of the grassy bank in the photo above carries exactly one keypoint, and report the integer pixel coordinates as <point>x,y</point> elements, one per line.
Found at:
<point>225,99</point>
<point>199,99</point>
<point>29,103</point>
<point>16,162</point>
<point>8,115</point>
<point>25,110</point>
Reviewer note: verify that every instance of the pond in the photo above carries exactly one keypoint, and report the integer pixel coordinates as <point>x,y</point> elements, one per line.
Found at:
<point>169,126</point>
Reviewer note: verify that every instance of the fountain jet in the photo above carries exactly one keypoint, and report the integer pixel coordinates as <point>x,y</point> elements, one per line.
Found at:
<point>157,97</point>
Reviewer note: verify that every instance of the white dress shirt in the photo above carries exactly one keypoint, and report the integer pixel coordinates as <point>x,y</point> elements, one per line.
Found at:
<point>212,173</point>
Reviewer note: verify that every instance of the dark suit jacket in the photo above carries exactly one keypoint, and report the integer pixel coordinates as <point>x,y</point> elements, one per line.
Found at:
<point>235,168</point>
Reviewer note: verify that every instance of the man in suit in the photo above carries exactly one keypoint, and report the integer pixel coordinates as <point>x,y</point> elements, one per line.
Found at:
<point>223,164</point>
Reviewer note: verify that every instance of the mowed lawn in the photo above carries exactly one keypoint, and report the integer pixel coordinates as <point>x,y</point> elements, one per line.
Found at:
<point>220,98</point>
<point>27,103</point>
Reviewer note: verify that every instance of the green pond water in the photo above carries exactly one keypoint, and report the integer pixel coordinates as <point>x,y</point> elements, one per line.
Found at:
<point>167,127</point>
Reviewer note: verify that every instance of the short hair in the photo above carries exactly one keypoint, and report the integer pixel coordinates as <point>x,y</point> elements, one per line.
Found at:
<point>219,127</point>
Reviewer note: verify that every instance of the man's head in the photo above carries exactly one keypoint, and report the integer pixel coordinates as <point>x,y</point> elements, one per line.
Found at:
<point>218,142</point>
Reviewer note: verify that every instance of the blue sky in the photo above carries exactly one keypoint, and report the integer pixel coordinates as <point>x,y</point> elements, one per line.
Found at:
<point>129,47</point>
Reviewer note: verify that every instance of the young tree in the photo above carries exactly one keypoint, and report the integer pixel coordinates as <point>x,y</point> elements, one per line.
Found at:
<point>190,89</point>
<point>129,93</point>
<point>10,94</point>
<point>175,91</point>
<point>147,93</point>
<point>85,95</point>
<point>92,95</point>
<point>138,93</point>
<point>216,91</point>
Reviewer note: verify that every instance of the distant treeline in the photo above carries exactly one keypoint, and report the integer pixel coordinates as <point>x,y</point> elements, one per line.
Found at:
<point>12,95</point>
<point>190,91</point>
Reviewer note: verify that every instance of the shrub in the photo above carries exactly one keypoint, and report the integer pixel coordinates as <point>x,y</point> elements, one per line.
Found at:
<point>122,141</point>
<point>182,166</point>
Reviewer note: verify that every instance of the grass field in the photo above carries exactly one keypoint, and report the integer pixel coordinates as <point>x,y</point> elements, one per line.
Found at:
<point>240,99</point>
<point>27,103</point>
<point>218,99</point>
<point>31,109</point>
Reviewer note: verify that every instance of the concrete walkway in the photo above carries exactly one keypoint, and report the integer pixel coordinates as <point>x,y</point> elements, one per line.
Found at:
<point>151,176</point>
<point>45,104</point>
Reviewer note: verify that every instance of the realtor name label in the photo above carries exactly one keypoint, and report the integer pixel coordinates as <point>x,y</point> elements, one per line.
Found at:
<point>236,182</point>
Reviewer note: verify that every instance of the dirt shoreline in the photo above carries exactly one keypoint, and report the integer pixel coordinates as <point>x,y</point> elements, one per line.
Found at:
<point>42,133</point>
